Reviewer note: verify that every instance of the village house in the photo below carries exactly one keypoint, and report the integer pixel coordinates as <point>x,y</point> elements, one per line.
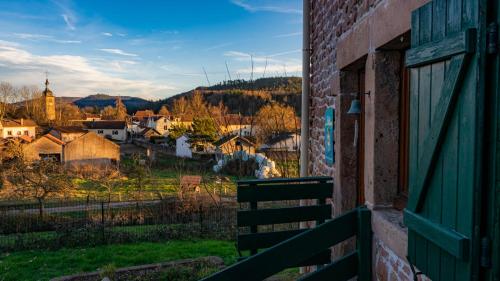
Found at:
<point>115,130</point>
<point>182,121</point>
<point>149,133</point>
<point>232,143</point>
<point>235,124</point>
<point>91,149</point>
<point>67,133</point>
<point>159,123</point>
<point>143,114</point>
<point>47,146</point>
<point>80,148</point>
<point>88,117</point>
<point>282,142</point>
<point>10,128</point>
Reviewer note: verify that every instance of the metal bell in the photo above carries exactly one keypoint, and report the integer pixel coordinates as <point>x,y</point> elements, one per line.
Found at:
<point>355,107</point>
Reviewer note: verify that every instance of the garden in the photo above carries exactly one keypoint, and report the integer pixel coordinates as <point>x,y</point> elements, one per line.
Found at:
<point>110,219</point>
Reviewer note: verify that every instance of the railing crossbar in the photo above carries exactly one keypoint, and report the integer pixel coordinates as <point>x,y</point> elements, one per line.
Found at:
<point>293,251</point>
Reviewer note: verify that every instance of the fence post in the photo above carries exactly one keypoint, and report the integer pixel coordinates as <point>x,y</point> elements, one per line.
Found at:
<point>364,244</point>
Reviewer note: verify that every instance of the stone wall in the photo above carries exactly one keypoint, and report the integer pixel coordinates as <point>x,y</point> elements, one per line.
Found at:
<point>330,20</point>
<point>348,36</point>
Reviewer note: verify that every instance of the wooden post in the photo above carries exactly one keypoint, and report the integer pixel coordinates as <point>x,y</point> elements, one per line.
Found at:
<point>364,244</point>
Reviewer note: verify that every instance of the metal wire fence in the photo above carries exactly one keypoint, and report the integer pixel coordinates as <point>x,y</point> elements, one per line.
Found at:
<point>87,223</point>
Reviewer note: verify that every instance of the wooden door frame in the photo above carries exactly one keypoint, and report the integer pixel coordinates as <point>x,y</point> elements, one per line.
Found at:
<point>361,139</point>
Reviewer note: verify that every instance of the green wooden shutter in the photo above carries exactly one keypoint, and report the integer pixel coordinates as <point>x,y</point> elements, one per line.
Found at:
<point>446,107</point>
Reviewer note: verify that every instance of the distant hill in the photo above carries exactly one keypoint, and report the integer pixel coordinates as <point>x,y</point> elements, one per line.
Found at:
<point>239,96</point>
<point>247,97</point>
<point>101,100</point>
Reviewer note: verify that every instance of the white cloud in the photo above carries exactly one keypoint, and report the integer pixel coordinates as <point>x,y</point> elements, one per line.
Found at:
<point>265,8</point>
<point>74,75</point>
<point>118,52</point>
<point>107,34</point>
<point>42,37</point>
<point>293,34</point>
<point>69,21</point>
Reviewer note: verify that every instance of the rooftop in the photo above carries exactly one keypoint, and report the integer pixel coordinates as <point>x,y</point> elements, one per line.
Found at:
<point>70,129</point>
<point>107,124</point>
<point>6,123</point>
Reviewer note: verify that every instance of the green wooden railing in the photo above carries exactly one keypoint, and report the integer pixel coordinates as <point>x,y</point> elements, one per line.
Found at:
<point>292,248</point>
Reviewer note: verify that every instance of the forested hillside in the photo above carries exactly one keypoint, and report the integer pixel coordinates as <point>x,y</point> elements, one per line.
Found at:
<point>246,97</point>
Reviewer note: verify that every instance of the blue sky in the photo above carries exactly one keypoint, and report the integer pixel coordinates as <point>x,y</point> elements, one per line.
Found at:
<point>149,48</point>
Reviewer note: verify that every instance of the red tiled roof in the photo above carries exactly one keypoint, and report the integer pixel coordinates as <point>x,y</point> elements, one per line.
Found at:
<point>54,139</point>
<point>27,139</point>
<point>6,123</point>
<point>144,113</point>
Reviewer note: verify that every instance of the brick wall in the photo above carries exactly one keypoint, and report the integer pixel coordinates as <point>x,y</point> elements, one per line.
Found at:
<point>330,20</point>
<point>390,266</point>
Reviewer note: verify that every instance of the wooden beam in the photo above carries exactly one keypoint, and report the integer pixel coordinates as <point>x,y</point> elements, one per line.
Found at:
<point>460,43</point>
<point>285,180</point>
<point>265,239</point>
<point>292,251</point>
<point>446,238</point>
<point>283,215</point>
<point>443,111</point>
<point>282,192</point>
<point>342,269</point>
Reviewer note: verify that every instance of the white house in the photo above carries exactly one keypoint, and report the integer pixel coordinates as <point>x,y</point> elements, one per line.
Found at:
<point>115,130</point>
<point>10,128</point>
<point>289,142</point>
<point>183,147</point>
<point>159,123</point>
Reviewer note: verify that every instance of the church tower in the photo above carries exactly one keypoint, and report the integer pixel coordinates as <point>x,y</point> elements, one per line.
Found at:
<point>49,102</point>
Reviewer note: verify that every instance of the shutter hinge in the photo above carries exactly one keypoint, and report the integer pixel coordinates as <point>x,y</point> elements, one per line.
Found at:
<point>485,252</point>
<point>492,38</point>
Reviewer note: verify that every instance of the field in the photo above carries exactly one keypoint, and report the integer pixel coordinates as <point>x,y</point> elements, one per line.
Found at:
<point>92,228</point>
<point>43,265</point>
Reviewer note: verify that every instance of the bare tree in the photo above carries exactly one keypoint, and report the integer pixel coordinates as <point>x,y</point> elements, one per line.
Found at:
<point>37,180</point>
<point>7,95</point>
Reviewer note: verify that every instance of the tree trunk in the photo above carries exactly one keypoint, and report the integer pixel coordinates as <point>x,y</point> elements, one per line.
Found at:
<point>40,208</point>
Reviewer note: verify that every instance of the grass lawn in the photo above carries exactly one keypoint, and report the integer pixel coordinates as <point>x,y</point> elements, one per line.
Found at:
<point>44,265</point>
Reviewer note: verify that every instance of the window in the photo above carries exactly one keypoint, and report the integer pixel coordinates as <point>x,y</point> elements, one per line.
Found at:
<point>165,127</point>
<point>115,132</point>
<point>9,133</point>
<point>26,133</point>
<point>19,133</point>
<point>100,132</point>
